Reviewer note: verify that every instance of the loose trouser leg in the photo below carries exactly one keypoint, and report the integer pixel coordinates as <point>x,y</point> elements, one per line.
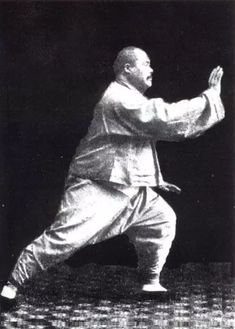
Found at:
<point>150,223</point>
<point>90,213</point>
<point>153,233</point>
<point>87,210</point>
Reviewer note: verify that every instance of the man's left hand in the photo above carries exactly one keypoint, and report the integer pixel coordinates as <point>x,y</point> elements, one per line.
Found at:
<point>167,187</point>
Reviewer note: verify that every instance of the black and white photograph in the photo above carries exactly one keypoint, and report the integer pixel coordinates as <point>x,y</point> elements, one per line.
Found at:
<point>117,188</point>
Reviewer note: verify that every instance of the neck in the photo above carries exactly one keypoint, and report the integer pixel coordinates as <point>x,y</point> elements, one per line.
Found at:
<point>122,79</point>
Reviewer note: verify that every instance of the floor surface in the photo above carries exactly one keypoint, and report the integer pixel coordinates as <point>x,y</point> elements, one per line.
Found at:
<point>95,296</point>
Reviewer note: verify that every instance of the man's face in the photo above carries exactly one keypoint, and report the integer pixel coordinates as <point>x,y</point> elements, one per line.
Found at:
<point>140,73</point>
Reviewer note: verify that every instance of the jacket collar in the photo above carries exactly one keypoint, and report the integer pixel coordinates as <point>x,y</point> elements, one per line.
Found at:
<point>124,83</point>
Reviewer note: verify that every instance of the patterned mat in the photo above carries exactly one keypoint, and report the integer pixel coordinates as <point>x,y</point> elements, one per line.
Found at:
<point>95,296</point>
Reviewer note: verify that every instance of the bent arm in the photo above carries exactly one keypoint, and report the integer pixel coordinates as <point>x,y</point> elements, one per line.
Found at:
<point>171,121</point>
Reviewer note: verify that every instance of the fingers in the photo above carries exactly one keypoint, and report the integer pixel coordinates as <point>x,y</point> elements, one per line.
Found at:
<point>167,187</point>
<point>218,74</point>
<point>215,76</point>
<point>174,188</point>
<point>212,75</point>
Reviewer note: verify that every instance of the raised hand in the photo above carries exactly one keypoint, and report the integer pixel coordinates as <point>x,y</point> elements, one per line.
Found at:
<point>215,79</point>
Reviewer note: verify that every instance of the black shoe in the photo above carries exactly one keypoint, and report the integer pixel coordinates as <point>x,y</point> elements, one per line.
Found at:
<point>7,304</point>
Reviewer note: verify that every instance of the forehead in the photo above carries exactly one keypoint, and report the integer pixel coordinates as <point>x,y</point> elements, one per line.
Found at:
<point>141,56</point>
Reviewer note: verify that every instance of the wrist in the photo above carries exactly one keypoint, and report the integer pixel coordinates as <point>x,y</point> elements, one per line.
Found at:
<point>216,88</point>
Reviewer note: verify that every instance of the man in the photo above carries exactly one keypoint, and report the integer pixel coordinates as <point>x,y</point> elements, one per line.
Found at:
<point>108,188</point>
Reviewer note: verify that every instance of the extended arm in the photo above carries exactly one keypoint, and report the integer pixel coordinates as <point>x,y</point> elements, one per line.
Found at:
<point>184,119</point>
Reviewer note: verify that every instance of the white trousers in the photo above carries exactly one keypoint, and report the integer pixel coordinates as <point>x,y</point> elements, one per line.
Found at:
<point>91,212</point>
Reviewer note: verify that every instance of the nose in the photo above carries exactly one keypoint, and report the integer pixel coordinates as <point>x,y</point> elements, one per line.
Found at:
<point>150,69</point>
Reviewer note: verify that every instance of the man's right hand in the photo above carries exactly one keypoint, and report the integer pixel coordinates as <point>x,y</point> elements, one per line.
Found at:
<point>215,79</point>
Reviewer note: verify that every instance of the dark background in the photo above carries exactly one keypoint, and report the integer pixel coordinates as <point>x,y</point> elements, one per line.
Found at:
<point>56,59</point>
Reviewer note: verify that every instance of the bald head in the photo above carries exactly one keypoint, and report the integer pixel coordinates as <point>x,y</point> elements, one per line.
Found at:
<point>132,65</point>
<point>127,55</point>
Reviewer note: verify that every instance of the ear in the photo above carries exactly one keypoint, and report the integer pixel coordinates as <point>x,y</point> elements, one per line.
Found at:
<point>127,68</point>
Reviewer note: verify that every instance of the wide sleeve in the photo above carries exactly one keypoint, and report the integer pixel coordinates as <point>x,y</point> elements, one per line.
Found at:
<point>160,120</point>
